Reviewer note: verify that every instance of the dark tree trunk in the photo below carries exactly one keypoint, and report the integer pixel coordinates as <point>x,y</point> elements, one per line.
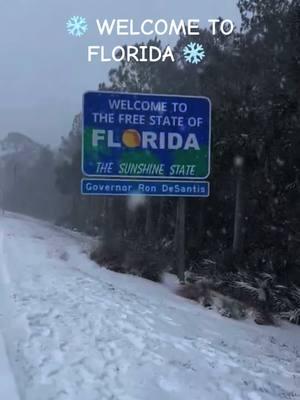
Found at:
<point>180,239</point>
<point>239,216</point>
<point>149,226</point>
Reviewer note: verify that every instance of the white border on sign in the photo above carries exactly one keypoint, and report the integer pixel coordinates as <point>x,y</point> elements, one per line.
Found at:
<point>140,176</point>
<point>144,194</point>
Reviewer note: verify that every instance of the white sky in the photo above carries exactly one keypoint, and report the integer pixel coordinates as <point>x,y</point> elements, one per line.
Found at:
<point>44,71</point>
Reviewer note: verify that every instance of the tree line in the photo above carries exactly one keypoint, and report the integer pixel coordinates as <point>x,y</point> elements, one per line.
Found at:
<point>251,220</point>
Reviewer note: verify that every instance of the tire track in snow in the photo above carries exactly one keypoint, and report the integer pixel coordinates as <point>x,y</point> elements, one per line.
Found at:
<point>91,339</point>
<point>65,368</point>
<point>8,387</point>
<point>5,279</point>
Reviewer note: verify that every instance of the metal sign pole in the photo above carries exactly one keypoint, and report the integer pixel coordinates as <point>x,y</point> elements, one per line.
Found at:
<point>180,239</point>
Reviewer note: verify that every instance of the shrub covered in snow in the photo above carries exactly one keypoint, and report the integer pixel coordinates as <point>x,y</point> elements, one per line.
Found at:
<point>259,291</point>
<point>133,257</point>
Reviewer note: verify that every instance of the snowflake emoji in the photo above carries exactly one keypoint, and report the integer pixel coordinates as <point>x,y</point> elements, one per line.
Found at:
<point>194,53</point>
<point>77,26</point>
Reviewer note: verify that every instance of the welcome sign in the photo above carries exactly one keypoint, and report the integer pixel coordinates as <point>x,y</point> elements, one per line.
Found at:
<point>146,136</point>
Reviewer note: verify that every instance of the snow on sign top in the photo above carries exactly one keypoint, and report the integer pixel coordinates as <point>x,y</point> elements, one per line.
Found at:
<point>146,136</point>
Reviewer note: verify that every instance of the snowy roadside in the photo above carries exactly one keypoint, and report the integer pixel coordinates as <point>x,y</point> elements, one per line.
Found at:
<point>84,332</point>
<point>8,388</point>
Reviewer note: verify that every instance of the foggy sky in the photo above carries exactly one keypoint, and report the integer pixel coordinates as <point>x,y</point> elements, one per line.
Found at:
<point>44,71</point>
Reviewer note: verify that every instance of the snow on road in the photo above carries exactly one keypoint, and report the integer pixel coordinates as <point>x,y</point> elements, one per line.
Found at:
<point>74,331</point>
<point>8,388</point>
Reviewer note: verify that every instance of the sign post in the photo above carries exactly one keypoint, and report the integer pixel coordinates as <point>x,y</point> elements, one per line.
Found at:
<point>147,145</point>
<point>150,145</point>
<point>180,246</point>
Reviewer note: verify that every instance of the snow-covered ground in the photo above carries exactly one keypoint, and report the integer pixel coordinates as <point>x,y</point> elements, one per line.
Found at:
<point>74,331</point>
<point>8,388</point>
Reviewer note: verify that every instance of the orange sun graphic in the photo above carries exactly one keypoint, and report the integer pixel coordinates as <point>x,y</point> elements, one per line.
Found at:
<point>131,138</point>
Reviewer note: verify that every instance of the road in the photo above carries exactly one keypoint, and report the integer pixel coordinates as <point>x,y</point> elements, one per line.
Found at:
<point>74,331</point>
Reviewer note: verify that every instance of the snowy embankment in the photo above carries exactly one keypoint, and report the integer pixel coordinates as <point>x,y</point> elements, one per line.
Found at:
<point>75,331</point>
<point>8,388</point>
